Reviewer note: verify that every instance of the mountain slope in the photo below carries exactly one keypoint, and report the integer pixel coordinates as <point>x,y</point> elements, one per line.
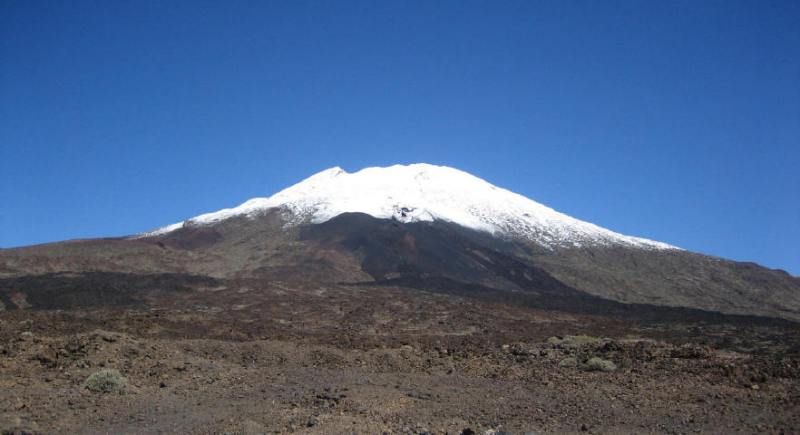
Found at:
<point>423,227</point>
<point>676,278</point>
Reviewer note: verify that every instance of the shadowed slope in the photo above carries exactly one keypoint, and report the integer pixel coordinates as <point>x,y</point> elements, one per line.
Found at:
<point>358,248</point>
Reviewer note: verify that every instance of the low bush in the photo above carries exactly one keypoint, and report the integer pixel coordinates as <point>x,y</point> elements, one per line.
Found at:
<point>573,341</point>
<point>595,364</point>
<point>568,362</point>
<point>105,381</point>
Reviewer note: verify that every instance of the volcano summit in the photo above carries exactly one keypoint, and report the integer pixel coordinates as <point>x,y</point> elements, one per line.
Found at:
<point>424,193</point>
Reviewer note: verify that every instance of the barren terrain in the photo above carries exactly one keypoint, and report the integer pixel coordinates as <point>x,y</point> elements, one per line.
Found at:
<point>204,356</point>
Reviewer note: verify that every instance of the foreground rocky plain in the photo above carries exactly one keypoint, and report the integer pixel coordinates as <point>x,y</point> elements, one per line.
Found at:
<point>258,356</point>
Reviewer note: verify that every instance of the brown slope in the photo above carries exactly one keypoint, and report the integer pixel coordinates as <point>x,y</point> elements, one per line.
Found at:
<point>676,278</point>
<point>358,248</point>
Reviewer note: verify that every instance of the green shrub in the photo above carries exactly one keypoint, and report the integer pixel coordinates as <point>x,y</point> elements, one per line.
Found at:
<point>105,381</point>
<point>573,341</point>
<point>595,364</point>
<point>568,362</point>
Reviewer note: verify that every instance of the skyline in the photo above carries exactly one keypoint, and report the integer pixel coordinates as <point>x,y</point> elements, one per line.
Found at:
<point>148,230</point>
<point>675,122</point>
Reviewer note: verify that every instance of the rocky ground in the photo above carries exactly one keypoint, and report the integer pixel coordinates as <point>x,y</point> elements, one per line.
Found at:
<point>276,358</point>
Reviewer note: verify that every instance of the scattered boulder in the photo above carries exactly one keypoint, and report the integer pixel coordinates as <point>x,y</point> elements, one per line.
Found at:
<point>108,337</point>
<point>690,351</point>
<point>47,357</point>
<point>520,350</point>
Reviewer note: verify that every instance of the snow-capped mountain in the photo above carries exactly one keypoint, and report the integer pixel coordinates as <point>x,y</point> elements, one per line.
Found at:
<point>336,227</point>
<point>423,192</point>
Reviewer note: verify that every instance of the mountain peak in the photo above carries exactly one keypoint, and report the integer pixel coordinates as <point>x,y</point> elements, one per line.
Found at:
<point>425,192</point>
<point>330,172</point>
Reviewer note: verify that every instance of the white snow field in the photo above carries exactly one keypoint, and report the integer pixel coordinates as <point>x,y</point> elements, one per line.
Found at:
<point>423,192</point>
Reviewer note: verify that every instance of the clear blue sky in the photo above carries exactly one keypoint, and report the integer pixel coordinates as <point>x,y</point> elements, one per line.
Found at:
<point>677,121</point>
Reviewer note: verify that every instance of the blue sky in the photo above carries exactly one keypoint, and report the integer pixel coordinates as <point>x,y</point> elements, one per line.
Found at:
<point>677,121</point>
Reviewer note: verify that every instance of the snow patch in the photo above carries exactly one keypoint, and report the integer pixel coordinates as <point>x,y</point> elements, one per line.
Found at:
<point>423,192</point>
